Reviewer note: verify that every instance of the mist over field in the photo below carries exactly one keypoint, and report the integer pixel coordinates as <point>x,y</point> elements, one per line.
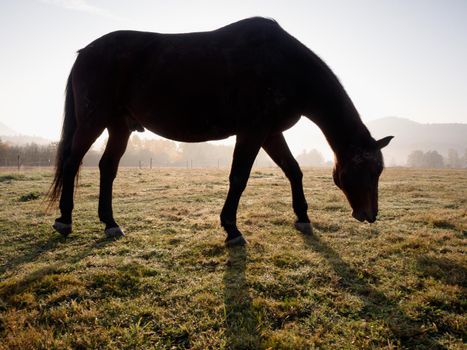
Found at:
<point>146,149</point>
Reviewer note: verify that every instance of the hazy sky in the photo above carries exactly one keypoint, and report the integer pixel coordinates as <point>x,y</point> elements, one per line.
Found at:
<point>395,58</point>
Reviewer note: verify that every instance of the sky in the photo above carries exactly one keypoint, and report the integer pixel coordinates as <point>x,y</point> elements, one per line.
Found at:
<point>394,57</point>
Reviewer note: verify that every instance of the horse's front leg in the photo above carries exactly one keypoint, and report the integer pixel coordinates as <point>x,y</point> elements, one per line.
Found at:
<point>108,166</point>
<point>276,147</point>
<point>246,150</point>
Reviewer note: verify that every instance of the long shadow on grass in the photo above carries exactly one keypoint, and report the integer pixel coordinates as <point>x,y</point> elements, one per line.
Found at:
<point>240,321</point>
<point>32,251</point>
<point>409,332</point>
<point>34,280</point>
<point>442,269</point>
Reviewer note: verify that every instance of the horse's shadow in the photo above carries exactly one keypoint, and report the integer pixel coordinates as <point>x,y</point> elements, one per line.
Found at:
<point>32,252</point>
<point>241,323</point>
<point>19,285</point>
<point>406,330</point>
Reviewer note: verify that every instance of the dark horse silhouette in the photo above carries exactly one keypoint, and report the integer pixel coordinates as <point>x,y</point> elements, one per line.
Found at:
<point>250,79</point>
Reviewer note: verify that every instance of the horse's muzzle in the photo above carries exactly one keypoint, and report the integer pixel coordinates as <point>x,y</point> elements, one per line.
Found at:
<point>363,215</point>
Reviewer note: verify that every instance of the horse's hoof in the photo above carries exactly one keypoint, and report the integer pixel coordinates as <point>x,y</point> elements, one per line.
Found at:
<point>114,232</point>
<point>304,227</point>
<point>237,241</point>
<point>63,229</point>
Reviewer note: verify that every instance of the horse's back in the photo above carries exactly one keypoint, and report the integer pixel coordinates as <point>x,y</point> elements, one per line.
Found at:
<point>241,32</point>
<point>204,81</point>
<point>247,40</point>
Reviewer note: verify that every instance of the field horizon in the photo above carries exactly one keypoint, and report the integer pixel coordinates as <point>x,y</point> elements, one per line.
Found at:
<point>170,283</point>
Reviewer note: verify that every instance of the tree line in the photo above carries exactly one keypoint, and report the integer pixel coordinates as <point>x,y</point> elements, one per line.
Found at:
<point>165,153</point>
<point>432,159</point>
<point>31,154</point>
<point>146,153</point>
<point>161,152</point>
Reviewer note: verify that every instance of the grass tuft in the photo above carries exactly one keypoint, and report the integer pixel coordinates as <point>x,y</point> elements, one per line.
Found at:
<point>11,177</point>
<point>29,197</point>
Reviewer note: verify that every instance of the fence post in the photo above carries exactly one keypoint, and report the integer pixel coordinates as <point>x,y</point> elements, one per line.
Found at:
<point>150,163</point>
<point>139,164</point>
<point>19,164</point>
<point>191,163</point>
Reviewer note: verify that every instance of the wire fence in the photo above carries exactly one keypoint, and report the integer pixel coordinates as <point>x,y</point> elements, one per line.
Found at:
<point>21,163</point>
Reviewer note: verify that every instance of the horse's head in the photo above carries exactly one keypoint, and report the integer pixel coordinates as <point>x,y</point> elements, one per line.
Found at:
<point>357,176</point>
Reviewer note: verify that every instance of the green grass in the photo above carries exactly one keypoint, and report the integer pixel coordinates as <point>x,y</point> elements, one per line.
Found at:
<point>171,283</point>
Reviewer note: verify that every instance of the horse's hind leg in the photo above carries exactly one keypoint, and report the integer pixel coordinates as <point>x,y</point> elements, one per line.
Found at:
<point>83,139</point>
<point>108,166</point>
<point>276,147</point>
<point>246,150</point>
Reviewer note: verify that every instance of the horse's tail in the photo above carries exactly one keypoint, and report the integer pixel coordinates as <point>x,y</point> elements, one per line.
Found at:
<point>64,146</point>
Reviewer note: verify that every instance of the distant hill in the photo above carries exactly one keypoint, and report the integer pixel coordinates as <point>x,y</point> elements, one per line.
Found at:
<point>24,140</point>
<point>6,130</point>
<point>410,136</point>
<point>12,137</point>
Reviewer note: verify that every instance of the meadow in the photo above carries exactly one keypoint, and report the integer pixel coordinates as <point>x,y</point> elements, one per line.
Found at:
<point>170,283</point>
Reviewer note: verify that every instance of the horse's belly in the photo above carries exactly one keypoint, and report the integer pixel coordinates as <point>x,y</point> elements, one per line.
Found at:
<point>189,115</point>
<point>187,128</point>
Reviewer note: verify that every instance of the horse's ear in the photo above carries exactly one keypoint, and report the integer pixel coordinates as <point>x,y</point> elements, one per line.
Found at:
<point>384,141</point>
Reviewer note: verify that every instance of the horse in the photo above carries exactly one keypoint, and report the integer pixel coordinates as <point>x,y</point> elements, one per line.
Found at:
<point>250,79</point>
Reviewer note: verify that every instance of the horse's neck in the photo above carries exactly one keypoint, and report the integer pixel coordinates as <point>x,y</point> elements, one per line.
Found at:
<point>342,127</point>
<point>329,106</point>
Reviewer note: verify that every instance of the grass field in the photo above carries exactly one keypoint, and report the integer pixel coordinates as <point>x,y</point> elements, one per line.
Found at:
<point>171,283</point>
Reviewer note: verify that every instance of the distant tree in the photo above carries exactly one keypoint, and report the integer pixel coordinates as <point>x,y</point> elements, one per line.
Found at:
<point>416,159</point>
<point>205,154</point>
<point>135,142</point>
<point>162,152</point>
<point>139,150</point>
<point>311,158</point>
<point>453,160</point>
<point>3,149</point>
<point>262,159</point>
<point>433,159</point>
<point>430,159</point>
<point>92,157</point>
<point>464,159</point>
